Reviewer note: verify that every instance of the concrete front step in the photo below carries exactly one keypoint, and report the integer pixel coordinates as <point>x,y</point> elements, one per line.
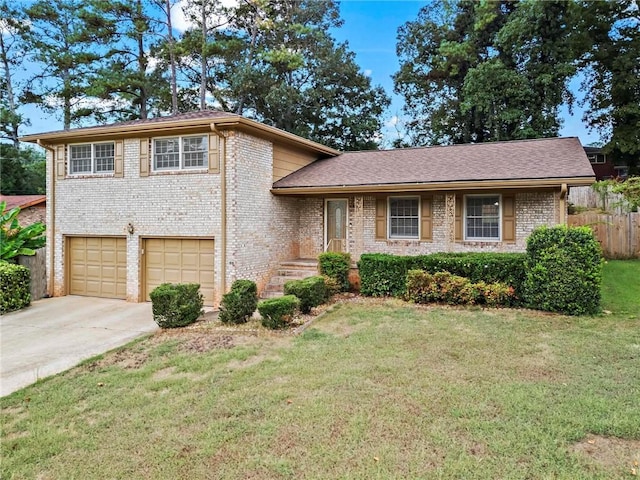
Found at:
<point>289,270</point>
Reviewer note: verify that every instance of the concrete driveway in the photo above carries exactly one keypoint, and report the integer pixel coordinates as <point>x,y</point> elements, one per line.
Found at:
<point>55,334</point>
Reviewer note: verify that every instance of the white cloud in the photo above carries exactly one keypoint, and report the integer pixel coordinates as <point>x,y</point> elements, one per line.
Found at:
<point>368,72</point>
<point>182,23</point>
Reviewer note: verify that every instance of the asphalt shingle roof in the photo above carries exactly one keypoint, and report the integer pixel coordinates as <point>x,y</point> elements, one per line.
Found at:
<point>515,160</point>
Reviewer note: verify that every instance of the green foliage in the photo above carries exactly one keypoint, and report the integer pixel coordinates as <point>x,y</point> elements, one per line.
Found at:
<point>15,290</point>
<point>383,274</point>
<point>278,312</point>
<point>311,291</point>
<point>424,287</point>
<point>238,305</point>
<point>630,190</point>
<point>16,240</point>
<point>22,171</point>
<point>610,51</point>
<point>336,265</point>
<point>176,305</point>
<point>332,286</point>
<point>564,270</point>
<point>504,66</point>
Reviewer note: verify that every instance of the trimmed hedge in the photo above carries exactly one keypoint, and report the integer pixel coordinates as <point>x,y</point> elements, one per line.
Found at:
<point>15,282</point>
<point>311,291</point>
<point>176,305</point>
<point>336,265</point>
<point>384,274</point>
<point>564,270</point>
<point>239,303</point>
<point>278,312</point>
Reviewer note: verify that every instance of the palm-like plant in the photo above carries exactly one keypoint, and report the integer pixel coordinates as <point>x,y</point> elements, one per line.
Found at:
<point>16,240</point>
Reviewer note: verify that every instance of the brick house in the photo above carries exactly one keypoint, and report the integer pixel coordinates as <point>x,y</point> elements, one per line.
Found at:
<point>212,197</point>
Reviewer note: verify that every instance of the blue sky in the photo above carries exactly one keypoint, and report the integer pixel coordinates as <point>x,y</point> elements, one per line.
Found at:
<point>370,28</point>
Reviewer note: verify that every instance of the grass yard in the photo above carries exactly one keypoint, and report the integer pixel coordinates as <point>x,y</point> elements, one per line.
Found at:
<point>374,389</point>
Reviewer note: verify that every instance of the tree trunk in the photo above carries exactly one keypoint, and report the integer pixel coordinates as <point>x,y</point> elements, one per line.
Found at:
<point>172,61</point>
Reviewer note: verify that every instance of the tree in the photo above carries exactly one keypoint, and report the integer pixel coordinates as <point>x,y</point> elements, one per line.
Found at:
<point>611,66</point>
<point>64,40</point>
<point>277,63</point>
<point>12,53</point>
<point>129,80</point>
<point>485,71</point>
<point>22,171</point>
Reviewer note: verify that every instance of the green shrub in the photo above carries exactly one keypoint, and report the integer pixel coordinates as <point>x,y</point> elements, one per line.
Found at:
<point>564,270</point>
<point>238,305</point>
<point>311,291</point>
<point>336,265</point>
<point>332,286</point>
<point>278,312</point>
<point>425,287</point>
<point>176,305</point>
<point>383,274</point>
<point>15,290</point>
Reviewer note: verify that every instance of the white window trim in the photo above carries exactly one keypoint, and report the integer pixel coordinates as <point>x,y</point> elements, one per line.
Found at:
<point>464,219</point>
<point>593,158</point>
<point>181,167</point>
<point>399,237</point>
<point>93,159</point>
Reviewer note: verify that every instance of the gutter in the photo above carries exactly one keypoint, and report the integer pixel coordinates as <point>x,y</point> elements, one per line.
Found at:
<point>435,186</point>
<point>51,222</point>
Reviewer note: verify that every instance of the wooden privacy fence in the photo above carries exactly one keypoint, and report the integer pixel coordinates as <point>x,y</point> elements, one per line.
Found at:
<point>37,265</point>
<point>619,235</point>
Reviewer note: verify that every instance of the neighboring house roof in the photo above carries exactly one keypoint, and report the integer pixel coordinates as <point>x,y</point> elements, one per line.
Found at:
<point>183,123</point>
<point>521,163</point>
<point>22,201</point>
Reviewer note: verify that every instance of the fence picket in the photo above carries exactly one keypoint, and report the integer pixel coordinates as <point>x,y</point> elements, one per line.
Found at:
<point>619,235</point>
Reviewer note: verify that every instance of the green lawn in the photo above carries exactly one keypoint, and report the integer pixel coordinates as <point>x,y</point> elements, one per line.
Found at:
<point>374,389</point>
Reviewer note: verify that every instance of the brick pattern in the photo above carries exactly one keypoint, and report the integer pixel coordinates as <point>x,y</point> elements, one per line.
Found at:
<point>263,228</point>
<point>532,209</point>
<point>181,205</point>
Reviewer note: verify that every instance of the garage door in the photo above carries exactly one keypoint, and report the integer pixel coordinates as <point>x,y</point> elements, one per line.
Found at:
<point>179,260</point>
<point>98,266</point>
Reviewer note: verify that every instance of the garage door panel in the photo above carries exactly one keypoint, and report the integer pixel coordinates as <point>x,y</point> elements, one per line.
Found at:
<point>97,266</point>
<point>174,260</point>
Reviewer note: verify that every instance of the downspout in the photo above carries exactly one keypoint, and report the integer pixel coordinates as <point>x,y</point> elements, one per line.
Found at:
<point>223,210</point>
<point>51,222</point>
<point>564,190</point>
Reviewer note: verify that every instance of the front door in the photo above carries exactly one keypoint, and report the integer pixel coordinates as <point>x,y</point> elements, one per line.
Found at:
<point>336,226</point>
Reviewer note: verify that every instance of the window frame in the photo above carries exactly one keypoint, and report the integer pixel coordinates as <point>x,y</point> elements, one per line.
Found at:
<point>468,238</point>
<point>418,217</point>
<point>181,152</point>
<point>597,158</point>
<point>93,159</point>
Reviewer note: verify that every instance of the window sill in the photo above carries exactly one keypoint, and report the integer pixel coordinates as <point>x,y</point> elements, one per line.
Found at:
<point>179,172</point>
<point>90,175</point>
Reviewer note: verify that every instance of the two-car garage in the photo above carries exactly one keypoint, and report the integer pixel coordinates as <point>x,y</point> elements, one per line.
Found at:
<point>97,266</point>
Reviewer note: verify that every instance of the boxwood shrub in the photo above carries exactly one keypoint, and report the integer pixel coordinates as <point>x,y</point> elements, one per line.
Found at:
<point>239,303</point>
<point>278,312</point>
<point>336,265</point>
<point>176,305</point>
<point>564,270</point>
<point>311,292</point>
<point>15,282</point>
<point>384,274</point>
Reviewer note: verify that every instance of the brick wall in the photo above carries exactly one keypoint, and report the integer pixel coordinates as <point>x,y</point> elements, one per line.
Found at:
<point>160,205</point>
<point>263,228</point>
<point>532,209</point>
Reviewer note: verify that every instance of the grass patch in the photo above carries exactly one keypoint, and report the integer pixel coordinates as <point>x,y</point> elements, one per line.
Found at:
<point>621,287</point>
<point>374,389</point>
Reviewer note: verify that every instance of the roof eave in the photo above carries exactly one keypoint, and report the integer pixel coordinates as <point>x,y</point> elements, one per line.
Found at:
<point>437,186</point>
<point>179,126</point>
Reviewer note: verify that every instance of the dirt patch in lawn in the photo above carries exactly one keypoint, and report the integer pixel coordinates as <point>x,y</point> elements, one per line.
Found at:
<point>611,453</point>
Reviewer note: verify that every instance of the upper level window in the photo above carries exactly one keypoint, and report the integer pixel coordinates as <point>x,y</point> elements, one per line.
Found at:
<point>178,153</point>
<point>404,217</point>
<point>91,158</point>
<point>482,217</point>
<point>597,158</point>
